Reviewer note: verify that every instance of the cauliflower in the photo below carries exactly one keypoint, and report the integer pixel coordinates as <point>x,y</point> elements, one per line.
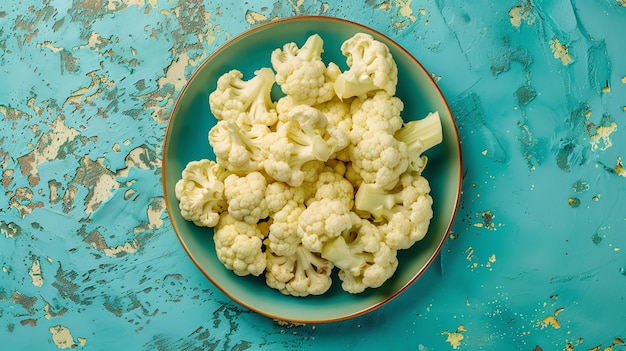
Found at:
<point>380,112</point>
<point>419,136</point>
<point>283,235</point>
<point>239,246</point>
<point>304,137</point>
<point>333,185</point>
<point>244,102</point>
<point>301,274</point>
<point>338,114</point>
<point>372,68</point>
<point>201,192</point>
<point>405,214</point>
<point>245,196</point>
<point>324,220</point>
<point>379,158</point>
<point>326,176</point>
<point>301,73</point>
<point>237,149</point>
<point>363,258</point>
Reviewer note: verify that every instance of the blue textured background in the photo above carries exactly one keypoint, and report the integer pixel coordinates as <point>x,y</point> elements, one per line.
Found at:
<point>537,257</point>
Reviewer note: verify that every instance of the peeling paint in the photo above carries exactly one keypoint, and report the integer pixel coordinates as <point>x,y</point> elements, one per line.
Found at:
<point>35,273</point>
<point>454,338</point>
<point>560,51</point>
<point>62,337</point>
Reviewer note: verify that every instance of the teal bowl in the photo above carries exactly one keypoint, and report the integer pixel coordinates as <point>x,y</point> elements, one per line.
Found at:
<point>186,140</point>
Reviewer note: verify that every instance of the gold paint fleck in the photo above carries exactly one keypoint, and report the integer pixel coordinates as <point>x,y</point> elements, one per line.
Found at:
<point>560,51</point>
<point>255,17</point>
<point>455,337</point>
<point>62,337</point>
<point>618,341</point>
<point>492,258</point>
<point>550,321</point>
<point>116,147</point>
<point>606,88</point>
<point>81,341</point>
<point>405,9</point>
<point>622,2</point>
<point>624,79</point>
<point>4,269</point>
<point>484,152</point>
<point>558,311</point>
<point>600,139</point>
<point>619,168</point>
<point>470,253</point>
<point>35,273</point>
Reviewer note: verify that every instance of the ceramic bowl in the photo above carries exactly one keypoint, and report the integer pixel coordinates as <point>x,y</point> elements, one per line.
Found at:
<point>186,140</point>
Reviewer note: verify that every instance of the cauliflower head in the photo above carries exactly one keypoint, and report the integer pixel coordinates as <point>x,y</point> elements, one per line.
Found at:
<point>301,274</point>
<point>323,220</point>
<point>201,192</point>
<point>301,73</point>
<point>245,102</point>
<point>363,258</point>
<point>379,158</point>
<point>404,215</point>
<point>239,246</point>
<point>372,67</point>
<point>245,196</point>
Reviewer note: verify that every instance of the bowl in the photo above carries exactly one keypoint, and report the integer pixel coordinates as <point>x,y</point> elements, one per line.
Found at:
<point>186,140</point>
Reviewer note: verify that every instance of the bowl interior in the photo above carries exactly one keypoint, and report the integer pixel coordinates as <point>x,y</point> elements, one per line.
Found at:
<point>186,140</point>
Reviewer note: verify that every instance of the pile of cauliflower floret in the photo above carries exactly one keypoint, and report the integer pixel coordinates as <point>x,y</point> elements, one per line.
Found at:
<point>327,176</point>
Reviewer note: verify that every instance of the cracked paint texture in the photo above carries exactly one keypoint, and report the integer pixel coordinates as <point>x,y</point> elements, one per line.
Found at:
<point>536,259</point>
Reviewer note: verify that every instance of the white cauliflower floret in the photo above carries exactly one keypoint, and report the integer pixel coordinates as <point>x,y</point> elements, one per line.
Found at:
<point>304,137</point>
<point>379,158</point>
<point>324,220</point>
<point>239,246</point>
<point>404,215</point>
<point>201,192</point>
<point>237,149</point>
<point>301,274</point>
<point>380,112</point>
<point>244,102</point>
<point>283,236</point>
<point>333,185</point>
<point>362,256</point>
<point>245,196</point>
<point>302,74</point>
<point>372,67</point>
<point>419,136</point>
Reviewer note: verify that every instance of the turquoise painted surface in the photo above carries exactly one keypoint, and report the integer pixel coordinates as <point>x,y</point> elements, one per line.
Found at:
<point>537,259</point>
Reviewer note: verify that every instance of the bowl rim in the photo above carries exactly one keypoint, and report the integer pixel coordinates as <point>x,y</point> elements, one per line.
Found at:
<point>457,198</point>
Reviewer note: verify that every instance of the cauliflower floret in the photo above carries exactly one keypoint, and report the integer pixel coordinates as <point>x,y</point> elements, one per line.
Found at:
<point>244,102</point>
<point>301,274</point>
<point>419,136</point>
<point>372,67</point>
<point>245,196</point>
<point>201,192</point>
<point>379,158</point>
<point>362,256</point>
<point>304,137</point>
<point>338,114</point>
<point>302,74</point>
<point>283,235</point>
<point>380,112</point>
<point>333,185</point>
<point>239,246</point>
<point>324,220</point>
<point>237,149</point>
<point>404,214</point>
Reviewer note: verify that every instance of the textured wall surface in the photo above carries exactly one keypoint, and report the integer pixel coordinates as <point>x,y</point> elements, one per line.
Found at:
<point>537,256</point>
